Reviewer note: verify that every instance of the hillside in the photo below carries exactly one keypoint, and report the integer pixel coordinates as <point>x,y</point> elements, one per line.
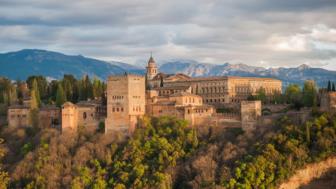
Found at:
<point>21,64</point>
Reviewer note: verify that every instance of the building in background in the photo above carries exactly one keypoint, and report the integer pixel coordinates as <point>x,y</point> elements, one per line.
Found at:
<point>18,116</point>
<point>218,90</point>
<point>183,105</point>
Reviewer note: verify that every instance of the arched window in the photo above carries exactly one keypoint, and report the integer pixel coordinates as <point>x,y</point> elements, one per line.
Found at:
<point>84,115</point>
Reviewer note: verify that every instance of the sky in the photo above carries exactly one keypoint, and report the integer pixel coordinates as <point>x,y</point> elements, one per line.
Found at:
<point>268,33</point>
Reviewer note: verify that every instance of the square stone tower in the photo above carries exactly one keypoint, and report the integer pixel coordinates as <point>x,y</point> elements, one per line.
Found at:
<point>69,117</point>
<point>125,102</point>
<point>250,113</point>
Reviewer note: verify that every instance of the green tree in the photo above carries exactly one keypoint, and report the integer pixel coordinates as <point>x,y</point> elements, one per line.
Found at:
<point>293,95</point>
<point>60,96</point>
<point>329,86</point>
<point>85,88</point>
<point>333,87</point>
<point>8,93</point>
<point>42,85</point>
<point>161,81</point>
<point>52,90</point>
<point>70,86</point>
<point>309,93</point>
<point>98,88</point>
<point>33,101</point>
<point>36,90</point>
<point>261,95</point>
<point>4,178</point>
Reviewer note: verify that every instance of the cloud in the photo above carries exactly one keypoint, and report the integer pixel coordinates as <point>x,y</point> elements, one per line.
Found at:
<point>257,32</point>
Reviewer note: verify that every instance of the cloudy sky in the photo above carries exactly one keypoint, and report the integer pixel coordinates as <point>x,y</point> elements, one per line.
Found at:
<point>268,33</point>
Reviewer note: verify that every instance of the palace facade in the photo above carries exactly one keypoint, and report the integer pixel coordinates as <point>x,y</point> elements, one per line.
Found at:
<point>217,91</point>
<point>130,97</point>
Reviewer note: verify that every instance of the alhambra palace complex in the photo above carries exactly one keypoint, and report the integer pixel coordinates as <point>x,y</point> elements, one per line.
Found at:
<point>130,97</point>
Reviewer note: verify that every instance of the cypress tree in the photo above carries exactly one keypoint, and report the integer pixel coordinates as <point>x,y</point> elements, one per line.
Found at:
<point>36,93</point>
<point>161,82</point>
<point>34,105</point>
<point>333,87</point>
<point>60,96</point>
<point>33,100</point>
<point>309,93</point>
<point>329,86</point>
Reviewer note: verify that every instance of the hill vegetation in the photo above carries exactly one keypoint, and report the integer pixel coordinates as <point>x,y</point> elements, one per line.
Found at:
<point>163,152</point>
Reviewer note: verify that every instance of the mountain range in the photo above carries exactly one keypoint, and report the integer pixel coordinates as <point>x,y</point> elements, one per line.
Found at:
<point>21,64</point>
<point>288,75</point>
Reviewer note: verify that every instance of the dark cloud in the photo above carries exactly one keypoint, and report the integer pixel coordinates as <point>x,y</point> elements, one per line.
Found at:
<point>258,32</point>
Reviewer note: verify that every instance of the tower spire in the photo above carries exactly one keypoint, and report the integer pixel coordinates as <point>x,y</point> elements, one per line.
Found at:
<point>151,67</point>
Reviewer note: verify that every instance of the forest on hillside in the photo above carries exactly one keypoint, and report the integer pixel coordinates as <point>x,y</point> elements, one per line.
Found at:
<point>163,152</point>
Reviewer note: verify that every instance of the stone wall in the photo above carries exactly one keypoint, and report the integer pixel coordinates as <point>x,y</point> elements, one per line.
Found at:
<point>50,117</point>
<point>18,116</point>
<point>328,101</point>
<point>309,173</point>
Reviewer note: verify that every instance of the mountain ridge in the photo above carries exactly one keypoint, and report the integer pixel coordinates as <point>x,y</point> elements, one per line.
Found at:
<point>55,65</point>
<point>288,75</point>
<point>26,62</point>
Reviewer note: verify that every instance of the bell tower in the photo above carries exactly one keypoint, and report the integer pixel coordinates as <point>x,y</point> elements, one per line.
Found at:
<point>151,68</point>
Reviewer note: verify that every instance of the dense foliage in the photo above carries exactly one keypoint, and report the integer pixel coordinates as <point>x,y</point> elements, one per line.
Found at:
<point>294,146</point>
<point>46,159</point>
<point>162,153</point>
<point>54,92</point>
<point>261,159</point>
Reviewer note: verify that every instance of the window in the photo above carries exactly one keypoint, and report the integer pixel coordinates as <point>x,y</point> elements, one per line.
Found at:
<point>84,115</point>
<point>113,109</point>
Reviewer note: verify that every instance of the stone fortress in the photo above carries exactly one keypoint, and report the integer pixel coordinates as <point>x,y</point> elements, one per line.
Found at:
<point>130,97</point>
